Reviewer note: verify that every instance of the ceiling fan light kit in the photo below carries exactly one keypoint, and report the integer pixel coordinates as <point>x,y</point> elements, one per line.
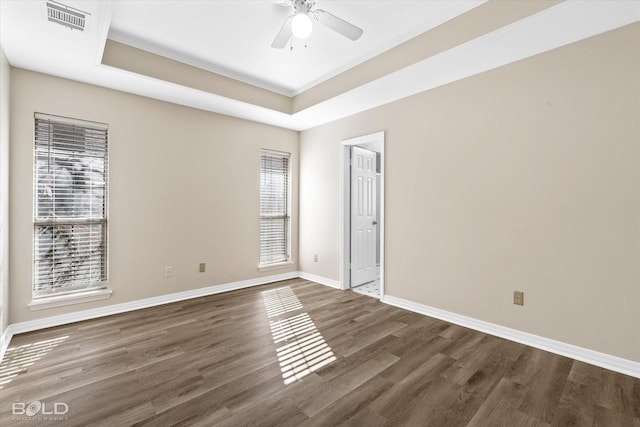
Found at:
<point>300,24</point>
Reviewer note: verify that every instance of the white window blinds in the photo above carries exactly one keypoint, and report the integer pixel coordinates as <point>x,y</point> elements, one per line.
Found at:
<point>274,207</point>
<point>70,205</point>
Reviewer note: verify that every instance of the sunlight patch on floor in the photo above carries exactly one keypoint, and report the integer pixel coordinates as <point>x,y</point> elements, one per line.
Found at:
<point>18,359</point>
<point>280,301</point>
<point>302,348</point>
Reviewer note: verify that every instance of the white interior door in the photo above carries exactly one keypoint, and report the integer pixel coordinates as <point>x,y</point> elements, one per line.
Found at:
<point>363,216</point>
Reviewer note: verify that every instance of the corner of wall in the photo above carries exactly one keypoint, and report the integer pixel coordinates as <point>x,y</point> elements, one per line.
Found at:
<point>5,71</point>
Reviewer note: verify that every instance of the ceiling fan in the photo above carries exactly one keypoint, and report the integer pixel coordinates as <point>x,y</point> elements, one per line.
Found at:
<point>300,23</point>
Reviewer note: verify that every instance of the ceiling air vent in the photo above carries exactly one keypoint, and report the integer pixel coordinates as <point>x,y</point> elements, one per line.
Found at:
<point>65,15</point>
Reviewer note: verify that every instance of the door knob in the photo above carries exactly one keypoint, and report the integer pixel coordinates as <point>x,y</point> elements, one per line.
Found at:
<point>375,222</point>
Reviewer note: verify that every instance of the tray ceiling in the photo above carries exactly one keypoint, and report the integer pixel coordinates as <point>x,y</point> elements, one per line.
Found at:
<point>233,38</point>
<point>407,47</point>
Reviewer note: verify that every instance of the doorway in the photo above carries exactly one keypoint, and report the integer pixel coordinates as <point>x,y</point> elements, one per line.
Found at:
<point>362,246</point>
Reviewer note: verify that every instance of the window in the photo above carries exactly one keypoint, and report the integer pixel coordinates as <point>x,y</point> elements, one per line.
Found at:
<point>274,207</point>
<point>70,206</point>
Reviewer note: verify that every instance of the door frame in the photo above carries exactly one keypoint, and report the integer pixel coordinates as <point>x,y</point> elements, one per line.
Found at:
<point>377,139</point>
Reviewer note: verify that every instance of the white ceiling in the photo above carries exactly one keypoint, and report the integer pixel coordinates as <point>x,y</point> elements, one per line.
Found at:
<point>234,37</point>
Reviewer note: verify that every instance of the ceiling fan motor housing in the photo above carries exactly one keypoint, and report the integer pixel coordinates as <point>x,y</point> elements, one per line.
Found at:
<point>303,6</point>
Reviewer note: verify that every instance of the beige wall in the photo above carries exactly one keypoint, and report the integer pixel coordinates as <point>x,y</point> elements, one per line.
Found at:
<point>184,189</point>
<point>480,20</point>
<point>526,178</point>
<point>129,58</point>
<point>4,195</point>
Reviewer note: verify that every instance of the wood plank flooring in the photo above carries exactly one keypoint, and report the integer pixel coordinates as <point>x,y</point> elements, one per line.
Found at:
<point>295,353</point>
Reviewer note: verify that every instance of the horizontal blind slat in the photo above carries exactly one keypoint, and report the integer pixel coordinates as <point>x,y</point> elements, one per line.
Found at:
<point>274,207</point>
<point>70,186</point>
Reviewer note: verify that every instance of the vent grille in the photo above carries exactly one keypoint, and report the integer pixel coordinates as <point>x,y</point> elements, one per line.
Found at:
<point>64,15</point>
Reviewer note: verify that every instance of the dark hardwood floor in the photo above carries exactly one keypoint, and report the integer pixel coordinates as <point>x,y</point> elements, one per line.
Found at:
<point>295,353</point>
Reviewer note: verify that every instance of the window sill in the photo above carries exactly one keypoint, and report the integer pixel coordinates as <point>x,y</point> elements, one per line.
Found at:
<point>275,266</point>
<point>62,300</point>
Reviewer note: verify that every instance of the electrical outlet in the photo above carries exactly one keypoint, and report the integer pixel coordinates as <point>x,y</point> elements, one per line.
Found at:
<point>315,258</point>
<point>168,271</point>
<point>202,267</point>
<point>518,298</point>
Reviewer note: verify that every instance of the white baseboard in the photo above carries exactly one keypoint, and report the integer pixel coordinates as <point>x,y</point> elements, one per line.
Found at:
<point>602,360</point>
<point>606,361</point>
<point>319,279</point>
<point>63,319</point>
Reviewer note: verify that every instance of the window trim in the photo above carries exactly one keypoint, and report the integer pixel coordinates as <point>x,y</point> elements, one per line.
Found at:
<point>75,295</point>
<point>276,265</point>
<point>288,262</point>
<point>82,296</point>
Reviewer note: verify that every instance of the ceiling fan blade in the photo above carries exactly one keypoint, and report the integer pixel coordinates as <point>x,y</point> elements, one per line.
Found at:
<point>284,35</point>
<point>338,25</point>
